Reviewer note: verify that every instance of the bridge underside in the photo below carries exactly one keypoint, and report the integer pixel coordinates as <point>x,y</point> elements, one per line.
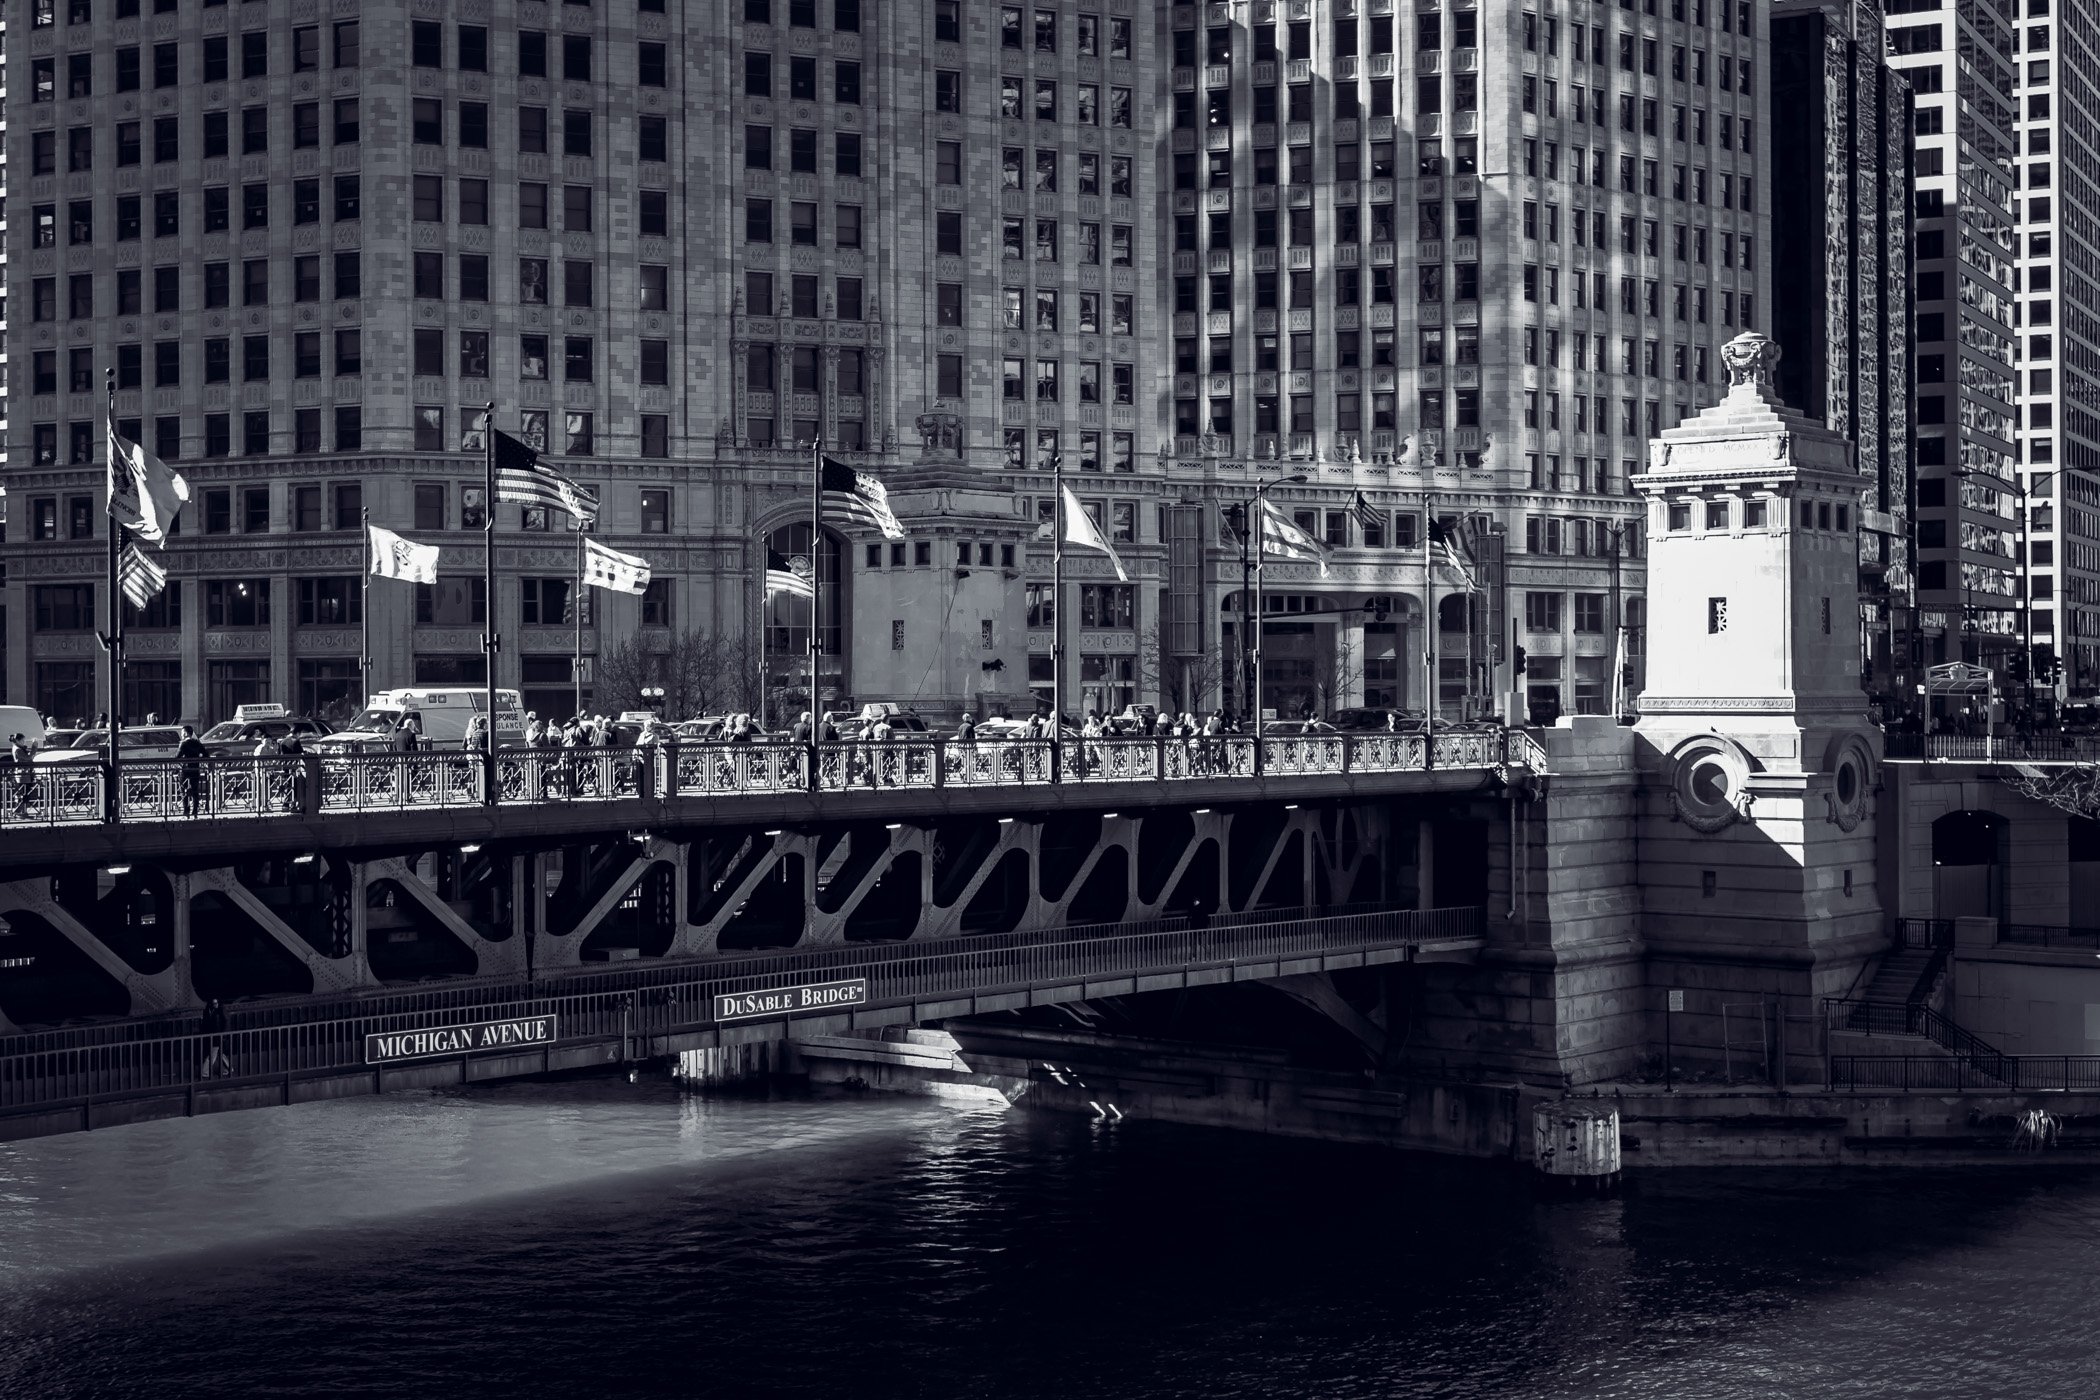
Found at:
<point>144,935</point>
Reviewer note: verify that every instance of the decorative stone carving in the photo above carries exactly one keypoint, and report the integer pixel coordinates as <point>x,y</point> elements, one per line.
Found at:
<point>939,432</point>
<point>1751,358</point>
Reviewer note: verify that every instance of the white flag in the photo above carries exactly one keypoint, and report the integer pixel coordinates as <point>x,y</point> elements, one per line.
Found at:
<point>1080,529</point>
<point>1279,535</point>
<point>143,494</point>
<point>394,557</point>
<point>608,568</point>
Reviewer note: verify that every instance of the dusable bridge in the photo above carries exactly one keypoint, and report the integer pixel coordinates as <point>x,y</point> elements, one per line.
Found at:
<point>621,891</point>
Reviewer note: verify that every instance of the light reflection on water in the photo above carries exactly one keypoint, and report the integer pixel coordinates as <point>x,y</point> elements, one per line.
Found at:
<point>597,1238</point>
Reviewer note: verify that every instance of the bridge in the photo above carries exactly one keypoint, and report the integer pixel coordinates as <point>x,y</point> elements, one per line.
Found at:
<point>621,891</point>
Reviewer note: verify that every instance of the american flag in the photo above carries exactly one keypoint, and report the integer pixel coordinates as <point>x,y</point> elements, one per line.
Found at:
<point>1445,552</point>
<point>783,577</point>
<point>139,577</point>
<point>857,497</point>
<point>522,477</point>
<point>1368,516</point>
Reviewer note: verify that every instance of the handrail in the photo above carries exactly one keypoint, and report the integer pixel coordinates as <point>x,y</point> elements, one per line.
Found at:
<point>2049,935</point>
<point>1915,1018</point>
<point>326,784</point>
<point>1924,933</point>
<point>684,1000</point>
<point>1933,1073</point>
<point>2000,746</point>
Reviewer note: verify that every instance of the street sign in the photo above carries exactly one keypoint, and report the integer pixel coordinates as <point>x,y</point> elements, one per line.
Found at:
<point>517,1033</point>
<point>1676,999</point>
<point>785,1001</point>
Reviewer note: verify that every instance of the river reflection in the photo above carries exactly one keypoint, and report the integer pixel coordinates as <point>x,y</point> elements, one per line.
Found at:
<point>595,1238</point>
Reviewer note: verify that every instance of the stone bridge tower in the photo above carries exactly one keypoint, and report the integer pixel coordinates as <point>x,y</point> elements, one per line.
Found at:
<point>1759,763</point>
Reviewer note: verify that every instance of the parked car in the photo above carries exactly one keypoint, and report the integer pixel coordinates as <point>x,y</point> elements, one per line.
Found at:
<point>1365,720</point>
<point>240,736</point>
<point>20,719</point>
<point>1296,728</point>
<point>139,744</point>
<point>55,739</point>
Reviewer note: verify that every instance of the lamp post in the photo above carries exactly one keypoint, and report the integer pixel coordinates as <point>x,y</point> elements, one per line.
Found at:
<point>1257,521</point>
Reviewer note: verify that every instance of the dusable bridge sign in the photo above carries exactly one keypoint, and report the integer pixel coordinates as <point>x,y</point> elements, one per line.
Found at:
<point>517,1033</point>
<point>785,1001</point>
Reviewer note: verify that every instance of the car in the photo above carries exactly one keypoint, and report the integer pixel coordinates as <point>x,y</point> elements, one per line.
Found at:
<point>1297,728</point>
<point>141,743</point>
<point>238,737</point>
<point>1364,720</point>
<point>55,739</point>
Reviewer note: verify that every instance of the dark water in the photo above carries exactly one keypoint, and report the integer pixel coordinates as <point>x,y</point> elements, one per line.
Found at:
<point>602,1239</point>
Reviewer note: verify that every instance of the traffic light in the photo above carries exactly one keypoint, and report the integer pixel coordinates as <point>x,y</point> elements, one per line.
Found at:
<point>1520,661</point>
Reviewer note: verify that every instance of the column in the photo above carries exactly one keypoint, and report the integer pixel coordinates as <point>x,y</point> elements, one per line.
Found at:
<point>739,388</point>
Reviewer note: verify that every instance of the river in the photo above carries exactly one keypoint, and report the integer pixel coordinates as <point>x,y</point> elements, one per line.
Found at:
<point>595,1238</point>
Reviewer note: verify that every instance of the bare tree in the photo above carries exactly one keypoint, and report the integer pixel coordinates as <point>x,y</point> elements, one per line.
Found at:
<point>701,673</point>
<point>1182,683</point>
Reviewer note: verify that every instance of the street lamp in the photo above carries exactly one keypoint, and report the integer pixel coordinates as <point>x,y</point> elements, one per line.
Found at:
<point>653,697</point>
<point>2025,493</point>
<point>1252,519</point>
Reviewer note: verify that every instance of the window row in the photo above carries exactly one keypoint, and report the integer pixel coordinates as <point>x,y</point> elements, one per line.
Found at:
<point>1044,309</point>
<point>254,286</point>
<point>221,58</point>
<point>167,212</point>
<point>1016,381</point>
<point>1037,30</point>
<point>801,78</point>
<point>802,14</point>
<point>802,151</point>
<point>219,428</point>
<point>1017,172</point>
<point>799,371</point>
<point>1021,98</point>
<point>248,129</point>
<point>1042,449</point>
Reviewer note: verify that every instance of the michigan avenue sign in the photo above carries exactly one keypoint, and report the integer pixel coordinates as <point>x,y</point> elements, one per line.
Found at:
<point>517,1033</point>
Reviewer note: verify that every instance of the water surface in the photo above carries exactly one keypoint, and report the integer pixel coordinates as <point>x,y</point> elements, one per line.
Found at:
<point>595,1238</point>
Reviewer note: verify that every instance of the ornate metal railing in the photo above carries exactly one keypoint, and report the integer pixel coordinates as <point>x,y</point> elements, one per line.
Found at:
<point>2000,746</point>
<point>325,784</point>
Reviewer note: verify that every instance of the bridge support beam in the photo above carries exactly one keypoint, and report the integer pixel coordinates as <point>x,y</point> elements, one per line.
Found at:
<point>329,974</point>
<point>505,959</point>
<point>1317,991</point>
<point>150,993</point>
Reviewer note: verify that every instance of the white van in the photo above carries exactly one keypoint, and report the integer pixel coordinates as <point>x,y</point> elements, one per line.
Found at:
<point>20,719</point>
<point>442,715</point>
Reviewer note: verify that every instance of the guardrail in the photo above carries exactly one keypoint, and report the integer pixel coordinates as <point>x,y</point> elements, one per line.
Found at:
<point>2004,746</point>
<point>2016,1073</point>
<point>63,794</point>
<point>684,1001</point>
<point>1924,933</point>
<point>1920,1019</point>
<point>2049,935</point>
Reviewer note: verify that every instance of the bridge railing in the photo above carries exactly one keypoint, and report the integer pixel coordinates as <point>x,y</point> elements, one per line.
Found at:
<point>325,784</point>
<point>2001,746</point>
<point>684,1002</point>
<point>2011,1073</point>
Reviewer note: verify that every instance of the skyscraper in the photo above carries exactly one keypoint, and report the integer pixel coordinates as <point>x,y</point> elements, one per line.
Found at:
<point>1465,260</point>
<point>1842,311</point>
<point>2058,126</point>
<point>1957,62</point>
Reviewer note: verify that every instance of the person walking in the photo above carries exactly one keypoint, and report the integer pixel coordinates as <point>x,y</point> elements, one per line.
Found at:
<point>24,759</point>
<point>190,753</point>
<point>216,1060</point>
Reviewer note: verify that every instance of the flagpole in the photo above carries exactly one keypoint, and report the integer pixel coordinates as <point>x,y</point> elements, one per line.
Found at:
<point>113,800</point>
<point>1431,682</point>
<point>489,638</point>
<point>1057,611</point>
<point>364,614</point>
<point>816,600</point>
<point>1261,543</point>
<point>576,614</point>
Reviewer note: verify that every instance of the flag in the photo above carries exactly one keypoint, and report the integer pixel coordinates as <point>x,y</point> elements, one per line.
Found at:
<point>394,557</point>
<point>1280,536</point>
<point>143,494</point>
<point>608,568</point>
<point>1444,553</point>
<point>1367,516</point>
<point>140,577</point>
<point>1080,529</point>
<point>784,575</point>
<point>857,496</point>
<point>522,477</point>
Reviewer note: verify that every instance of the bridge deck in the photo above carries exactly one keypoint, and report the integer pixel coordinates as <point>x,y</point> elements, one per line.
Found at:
<point>90,1077</point>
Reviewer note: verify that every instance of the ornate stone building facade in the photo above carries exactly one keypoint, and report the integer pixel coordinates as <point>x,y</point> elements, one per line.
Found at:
<point>1463,259</point>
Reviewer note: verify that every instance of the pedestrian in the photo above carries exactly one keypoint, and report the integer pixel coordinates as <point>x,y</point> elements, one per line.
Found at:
<point>191,754</point>
<point>25,772</point>
<point>216,1060</point>
<point>800,732</point>
<point>966,730</point>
